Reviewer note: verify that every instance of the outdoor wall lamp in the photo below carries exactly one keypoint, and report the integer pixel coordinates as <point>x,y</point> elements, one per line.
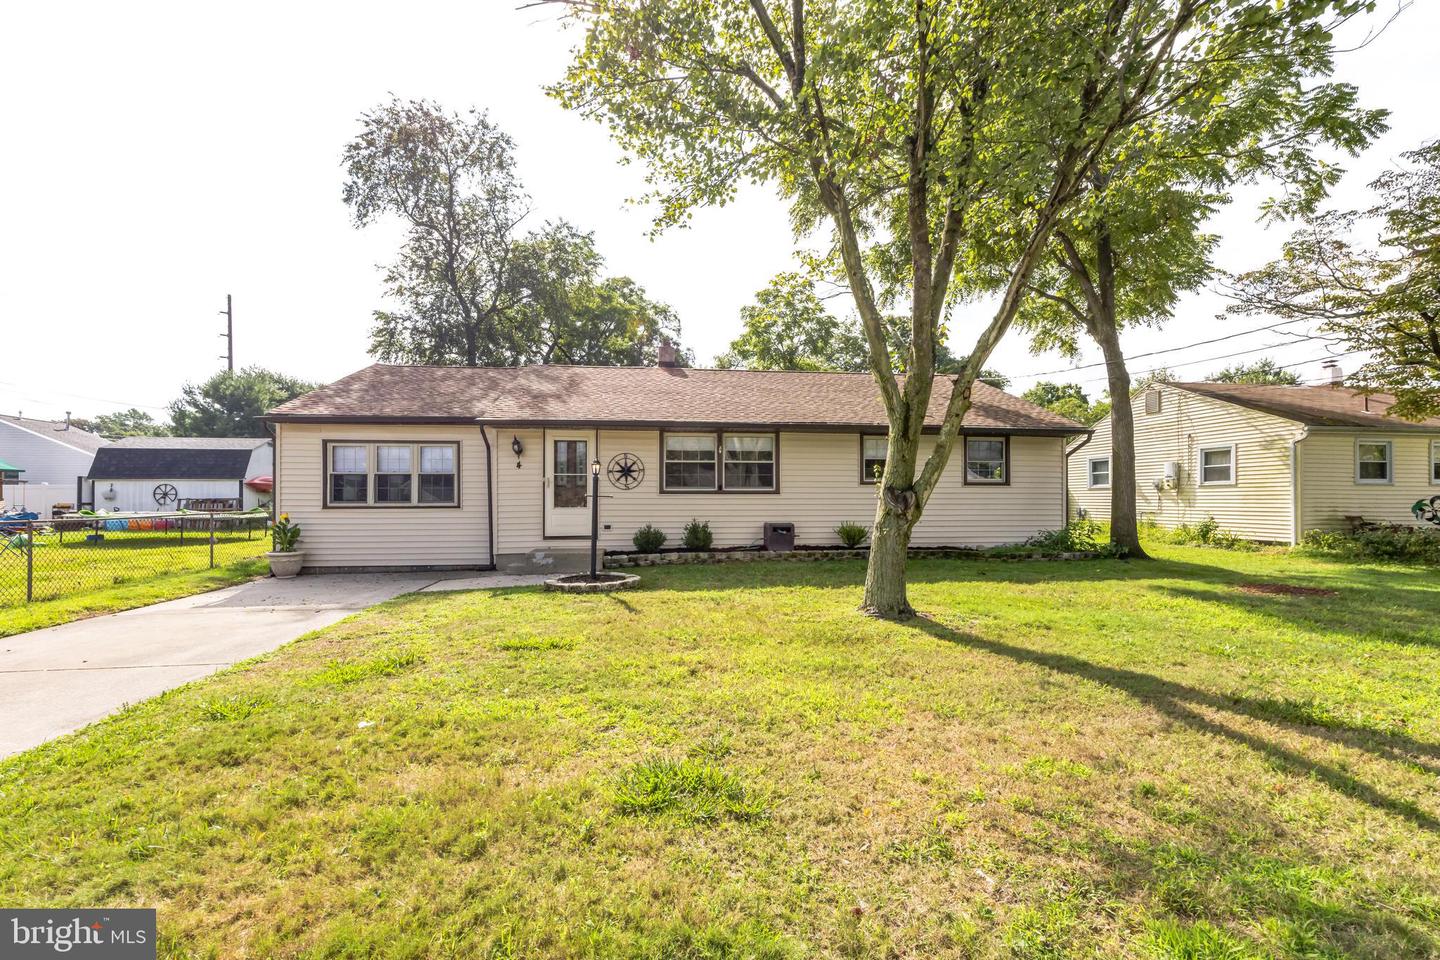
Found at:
<point>518,447</point>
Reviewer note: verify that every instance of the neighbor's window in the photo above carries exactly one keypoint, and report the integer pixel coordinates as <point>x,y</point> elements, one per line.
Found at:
<point>872,458</point>
<point>1374,461</point>
<point>1100,472</point>
<point>1435,461</point>
<point>1217,465</point>
<point>690,462</point>
<point>393,474</point>
<point>985,460</point>
<point>349,477</point>
<point>749,461</point>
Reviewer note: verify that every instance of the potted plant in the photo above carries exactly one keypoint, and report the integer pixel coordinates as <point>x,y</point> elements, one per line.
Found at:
<point>285,560</point>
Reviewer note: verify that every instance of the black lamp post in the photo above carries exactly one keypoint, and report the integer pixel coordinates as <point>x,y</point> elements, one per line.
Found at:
<point>594,519</point>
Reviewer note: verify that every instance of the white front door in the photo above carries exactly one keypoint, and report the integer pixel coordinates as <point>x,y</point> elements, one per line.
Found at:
<point>567,482</point>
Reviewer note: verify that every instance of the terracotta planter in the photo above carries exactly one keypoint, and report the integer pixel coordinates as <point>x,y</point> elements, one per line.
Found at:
<point>284,566</point>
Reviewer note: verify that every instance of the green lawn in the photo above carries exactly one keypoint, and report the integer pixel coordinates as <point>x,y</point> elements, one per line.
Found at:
<point>1061,760</point>
<point>65,565</point>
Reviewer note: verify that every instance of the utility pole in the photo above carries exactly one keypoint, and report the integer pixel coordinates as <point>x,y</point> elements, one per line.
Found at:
<point>229,335</point>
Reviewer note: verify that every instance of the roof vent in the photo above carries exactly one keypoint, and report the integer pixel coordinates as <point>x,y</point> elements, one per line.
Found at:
<point>668,355</point>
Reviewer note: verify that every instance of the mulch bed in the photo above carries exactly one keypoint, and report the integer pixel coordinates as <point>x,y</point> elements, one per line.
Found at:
<point>1286,590</point>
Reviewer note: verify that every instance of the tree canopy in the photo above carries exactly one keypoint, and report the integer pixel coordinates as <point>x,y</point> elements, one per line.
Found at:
<point>125,423</point>
<point>1068,400</point>
<point>1262,371</point>
<point>228,404</point>
<point>1383,300</point>
<point>470,286</point>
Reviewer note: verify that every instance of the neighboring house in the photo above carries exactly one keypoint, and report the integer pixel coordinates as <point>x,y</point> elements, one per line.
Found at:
<point>1267,462</point>
<point>437,467</point>
<point>172,473</point>
<point>46,458</point>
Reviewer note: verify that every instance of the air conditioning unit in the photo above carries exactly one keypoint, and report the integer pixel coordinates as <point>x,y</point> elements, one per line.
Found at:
<point>779,537</point>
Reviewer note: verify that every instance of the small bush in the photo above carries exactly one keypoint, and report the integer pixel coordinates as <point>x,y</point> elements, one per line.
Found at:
<point>697,535</point>
<point>1081,535</point>
<point>852,534</point>
<point>1206,533</point>
<point>649,538</point>
<point>1392,544</point>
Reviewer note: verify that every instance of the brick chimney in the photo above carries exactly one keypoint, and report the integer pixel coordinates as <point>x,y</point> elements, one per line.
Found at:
<point>669,356</point>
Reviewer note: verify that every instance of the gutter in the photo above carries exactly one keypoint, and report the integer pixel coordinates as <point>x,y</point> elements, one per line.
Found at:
<point>489,493</point>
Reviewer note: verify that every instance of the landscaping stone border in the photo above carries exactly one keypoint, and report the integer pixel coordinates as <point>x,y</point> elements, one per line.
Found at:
<point>622,561</point>
<point>565,584</point>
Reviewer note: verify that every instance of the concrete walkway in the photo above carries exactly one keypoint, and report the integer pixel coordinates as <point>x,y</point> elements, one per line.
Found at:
<point>59,679</point>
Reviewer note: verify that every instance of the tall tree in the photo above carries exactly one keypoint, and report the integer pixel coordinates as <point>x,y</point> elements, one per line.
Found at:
<point>1262,371</point>
<point>1068,400</point>
<point>1385,301</point>
<point>125,423</point>
<point>472,289</point>
<point>938,127</point>
<point>229,404</point>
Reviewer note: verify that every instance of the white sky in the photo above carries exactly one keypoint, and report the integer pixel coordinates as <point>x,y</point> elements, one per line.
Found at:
<point>160,155</point>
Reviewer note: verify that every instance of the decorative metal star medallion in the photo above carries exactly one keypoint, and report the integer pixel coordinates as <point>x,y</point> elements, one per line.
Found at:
<point>625,471</point>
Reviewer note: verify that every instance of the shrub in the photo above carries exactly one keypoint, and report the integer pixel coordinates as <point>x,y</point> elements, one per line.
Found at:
<point>1385,544</point>
<point>649,538</point>
<point>852,534</point>
<point>1206,533</point>
<point>1081,535</point>
<point>697,535</point>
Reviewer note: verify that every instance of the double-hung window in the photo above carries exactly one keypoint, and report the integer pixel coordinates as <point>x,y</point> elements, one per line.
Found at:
<point>392,474</point>
<point>1217,466</point>
<point>690,461</point>
<point>1435,461</point>
<point>1100,472</point>
<point>873,450</point>
<point>1374,461</point>
<point>749,461</point>
<point>987,460</point>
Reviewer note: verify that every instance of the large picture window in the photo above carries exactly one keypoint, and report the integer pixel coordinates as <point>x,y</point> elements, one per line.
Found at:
<point>690,462</point>
<point>1374,461</point>
<point>393,474</point>
<point>873,451</point>
<point>749,461</point>
<point>987,460</point>
<point>1217,466</point>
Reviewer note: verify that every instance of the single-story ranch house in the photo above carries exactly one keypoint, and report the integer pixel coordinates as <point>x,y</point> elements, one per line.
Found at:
<point>1267,462</point>
<point>182,473</point>
<point>437,467</point>
<point>46,460</point>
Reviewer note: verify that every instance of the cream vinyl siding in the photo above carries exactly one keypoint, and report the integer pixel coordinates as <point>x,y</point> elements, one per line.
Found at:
<point>819,487</point>
<point>1329,493</point>
<point>1259,505</point>
<point>382,536</point>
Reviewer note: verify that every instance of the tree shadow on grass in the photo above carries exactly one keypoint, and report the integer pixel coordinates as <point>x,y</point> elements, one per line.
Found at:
<point>1179,702</point>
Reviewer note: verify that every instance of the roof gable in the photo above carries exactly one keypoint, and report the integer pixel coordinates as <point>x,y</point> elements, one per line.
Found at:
<point>59,431</point>
<point>644,396</point>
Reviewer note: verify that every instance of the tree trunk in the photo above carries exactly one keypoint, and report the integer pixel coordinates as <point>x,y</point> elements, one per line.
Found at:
<point>885,573</point>
<point>1124,523</point>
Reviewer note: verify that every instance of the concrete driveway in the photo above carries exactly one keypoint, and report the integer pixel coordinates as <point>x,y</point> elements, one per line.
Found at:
<point>59,679</point>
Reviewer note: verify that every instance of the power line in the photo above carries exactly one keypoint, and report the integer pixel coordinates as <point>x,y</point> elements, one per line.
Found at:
<point>81,396</point>
<point>1228,356</point>
<point>1155,353</point>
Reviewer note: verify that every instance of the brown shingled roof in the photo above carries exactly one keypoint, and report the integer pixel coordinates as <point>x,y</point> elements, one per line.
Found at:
<point>1318,406</point>
<point>648,396</point>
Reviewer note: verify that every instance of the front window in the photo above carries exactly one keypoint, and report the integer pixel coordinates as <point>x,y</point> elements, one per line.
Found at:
<point>1435,461</point>
<point>393,474</point>
<point>1100,472</point>
<point>1217,465</point>
<point>1373,461</point>
<point>985,460</point>
<point>690,462</point>
<point>872,458</point>
<point>349,475</point>
<point>749,462</point>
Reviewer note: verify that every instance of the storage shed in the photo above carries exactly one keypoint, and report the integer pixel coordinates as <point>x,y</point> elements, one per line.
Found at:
<point>182,473</point>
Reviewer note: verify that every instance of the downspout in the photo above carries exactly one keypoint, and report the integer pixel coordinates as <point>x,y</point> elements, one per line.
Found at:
<point>1295,485</point>
<point>489,495</point>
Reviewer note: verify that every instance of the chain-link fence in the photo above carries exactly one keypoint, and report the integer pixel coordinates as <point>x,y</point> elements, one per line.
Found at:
<point>49,559</point>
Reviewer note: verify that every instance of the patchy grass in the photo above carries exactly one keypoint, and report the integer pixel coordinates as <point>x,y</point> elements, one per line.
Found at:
<point>1059,760</point>
<point>113,599</point>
